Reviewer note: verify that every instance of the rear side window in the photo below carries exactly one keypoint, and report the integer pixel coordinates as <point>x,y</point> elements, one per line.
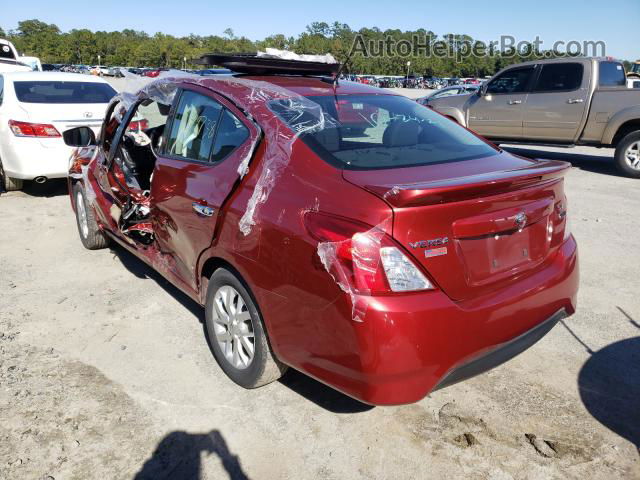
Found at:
<point>6,52</point>
<point>63,92</point>
<point>231,134</point>
<point>558,77</point>
<point>194,127</point>
<point>515,80</point>
<point>366,132</point>
<point>612,74</point>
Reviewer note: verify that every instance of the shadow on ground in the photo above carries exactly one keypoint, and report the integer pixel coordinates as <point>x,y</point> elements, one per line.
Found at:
<point>609,384</point>
<point>591,163</point>
<point>51,188</point>
<point>141,270</point>
<point>322,395</point>
<point>178,456</point>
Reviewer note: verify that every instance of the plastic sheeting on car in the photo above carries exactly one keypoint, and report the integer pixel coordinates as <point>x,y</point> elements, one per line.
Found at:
<point>287,55</point>
<point>251,96</point>
<point>359,246</point>
<point>297,115</point>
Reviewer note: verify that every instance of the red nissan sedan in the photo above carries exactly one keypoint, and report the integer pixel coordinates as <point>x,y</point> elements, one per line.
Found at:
<point>386,261</point>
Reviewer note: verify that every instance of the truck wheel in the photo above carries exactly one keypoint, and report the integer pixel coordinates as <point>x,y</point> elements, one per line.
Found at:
<point>90,234</point>
<point>236,333</point>
<point>628,155</point>
<point>10,184</point>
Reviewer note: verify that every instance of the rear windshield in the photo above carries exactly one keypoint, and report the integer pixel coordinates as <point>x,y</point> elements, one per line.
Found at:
<point>63,92</point>
<point>364,132</point>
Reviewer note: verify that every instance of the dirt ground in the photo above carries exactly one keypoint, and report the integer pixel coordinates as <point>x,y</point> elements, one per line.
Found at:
<point>105,372</point>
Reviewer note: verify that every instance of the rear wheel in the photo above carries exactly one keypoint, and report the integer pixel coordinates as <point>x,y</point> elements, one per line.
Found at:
<point>90,234</point>
<point>628,155</point>
<point>236,333</point>
<point>10,184</point>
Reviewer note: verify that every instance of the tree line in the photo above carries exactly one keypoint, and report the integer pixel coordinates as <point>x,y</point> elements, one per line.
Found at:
<point>136,48</point>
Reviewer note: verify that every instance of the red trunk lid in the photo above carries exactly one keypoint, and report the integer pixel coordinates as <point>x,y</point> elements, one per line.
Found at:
<point>477,224</point>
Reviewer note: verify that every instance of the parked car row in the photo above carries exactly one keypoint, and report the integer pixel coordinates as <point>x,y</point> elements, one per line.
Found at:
<point>411,81</point>
<point>116,71</point>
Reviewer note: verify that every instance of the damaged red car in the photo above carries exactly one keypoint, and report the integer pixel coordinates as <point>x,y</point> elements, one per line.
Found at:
<point>332,227</point>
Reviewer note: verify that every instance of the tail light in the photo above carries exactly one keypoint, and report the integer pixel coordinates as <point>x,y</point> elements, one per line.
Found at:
<point>26,129</point>
<point>363,259</point>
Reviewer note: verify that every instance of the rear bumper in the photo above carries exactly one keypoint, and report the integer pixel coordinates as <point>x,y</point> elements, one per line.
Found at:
<point>410,345</point>
<point>502,353</point>
<point>28,158</point>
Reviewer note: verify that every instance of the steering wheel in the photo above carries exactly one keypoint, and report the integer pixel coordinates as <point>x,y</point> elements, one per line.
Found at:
<point>125,145</point>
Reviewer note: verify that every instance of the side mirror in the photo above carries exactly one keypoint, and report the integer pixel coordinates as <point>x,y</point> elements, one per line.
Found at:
<point>79,137</point>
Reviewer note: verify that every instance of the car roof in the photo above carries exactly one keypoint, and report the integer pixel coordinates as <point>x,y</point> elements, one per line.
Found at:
<point>48,76</point>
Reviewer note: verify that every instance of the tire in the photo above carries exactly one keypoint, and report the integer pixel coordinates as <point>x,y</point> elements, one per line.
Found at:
<point>233,326</point>
<point>627,155</point>
<point>90,234</point>
<point>12,184</point>
<point>8,183</point>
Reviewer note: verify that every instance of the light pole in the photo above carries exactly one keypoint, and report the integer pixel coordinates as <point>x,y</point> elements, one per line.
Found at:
<point>99,69</point>
<point>407,77</point>
<point>184,59</point>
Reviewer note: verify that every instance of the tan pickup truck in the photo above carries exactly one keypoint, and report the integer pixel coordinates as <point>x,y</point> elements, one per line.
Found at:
<point>564,102</point>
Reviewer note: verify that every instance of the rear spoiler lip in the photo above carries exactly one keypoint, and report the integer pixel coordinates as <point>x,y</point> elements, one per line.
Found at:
<point>473,186</point>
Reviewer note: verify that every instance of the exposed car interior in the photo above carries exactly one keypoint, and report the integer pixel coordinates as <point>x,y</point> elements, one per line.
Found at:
<point>202,130</point>
<point>138,149</point>
<point>132,169</point>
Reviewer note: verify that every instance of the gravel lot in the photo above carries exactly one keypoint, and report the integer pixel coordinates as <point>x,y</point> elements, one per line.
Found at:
<point>105,371</point>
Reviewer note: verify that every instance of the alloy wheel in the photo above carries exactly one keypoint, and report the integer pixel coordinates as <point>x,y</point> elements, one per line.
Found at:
<point>82,215</point>
<point>233,327</point>
<point>632,155</point>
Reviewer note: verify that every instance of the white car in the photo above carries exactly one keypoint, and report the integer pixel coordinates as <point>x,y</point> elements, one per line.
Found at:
<point>32,62</point>
<point>36,108</point>
<point>9,59</point>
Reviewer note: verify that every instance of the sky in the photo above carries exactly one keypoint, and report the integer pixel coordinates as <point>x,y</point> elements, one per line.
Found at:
<point>616,22</point>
